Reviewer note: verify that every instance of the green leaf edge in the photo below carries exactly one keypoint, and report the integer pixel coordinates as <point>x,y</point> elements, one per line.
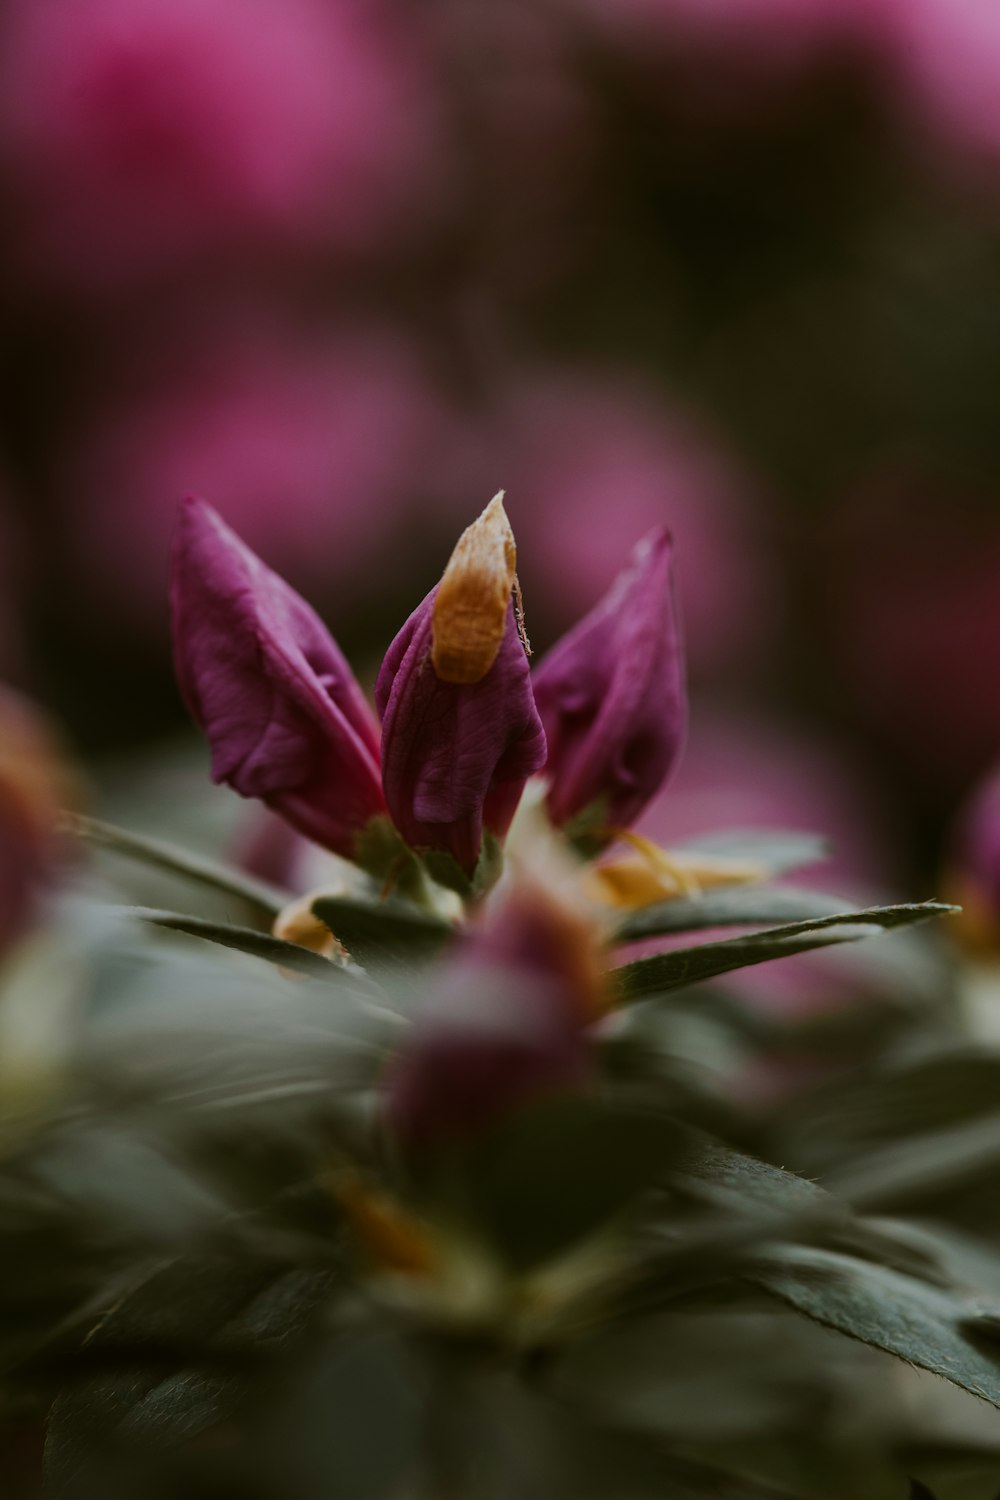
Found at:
<point>646,977</point>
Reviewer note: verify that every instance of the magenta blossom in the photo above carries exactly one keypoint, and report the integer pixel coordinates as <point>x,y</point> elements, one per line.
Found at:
<point>287,721</point>
<point>455,756</point>
<point>612,698</point>
<point>262,677</point>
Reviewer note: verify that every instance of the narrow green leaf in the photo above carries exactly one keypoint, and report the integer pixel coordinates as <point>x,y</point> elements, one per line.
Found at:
<point>729,906</point>
<point>745,1188</point>
<point>682,966</point>
<point>913,1172</point>
<point>387,937</point>
<point>172,1359</point>
<point>242,939</point>
<point>264,898</point>
<point>918,1323</point>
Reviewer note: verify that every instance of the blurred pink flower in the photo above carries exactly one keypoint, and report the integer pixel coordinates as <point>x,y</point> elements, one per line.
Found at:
<point>314,451</point>
<point>141,133</point>
<point>742,772</point>
<point>739,773</point>
<point>947,56</point>
<point>591,461</point>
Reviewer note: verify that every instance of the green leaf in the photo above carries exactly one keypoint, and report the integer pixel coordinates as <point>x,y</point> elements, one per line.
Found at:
<point>447,872</point>
<point>776,851</point>
<point>266,899</point>
<point>915,1171</point>
<point>755,1199</point>
<point>919,1323</point>
<point>173,1359</point>
<point>242,939</point>
<point>386,938</point>
<point>682,966</point>
<point>556,1173</point>
<point>729,906</point>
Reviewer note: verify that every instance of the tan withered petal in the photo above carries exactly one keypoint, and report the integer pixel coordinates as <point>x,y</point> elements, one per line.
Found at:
<point>470,609</point>
<point>296,923</point>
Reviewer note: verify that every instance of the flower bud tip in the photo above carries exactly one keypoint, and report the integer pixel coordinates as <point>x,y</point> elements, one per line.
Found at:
<point>470,607</point>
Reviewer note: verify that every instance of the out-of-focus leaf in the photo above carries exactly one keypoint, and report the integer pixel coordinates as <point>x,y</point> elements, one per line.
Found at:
<point>242,939</point>
<point>558,1172</point>
<point>894,1100</point>
<point>176,1355</point>
<point>776,851</point>
<point>682,966</point>
<point>386,938</point>
<point>915,1170</point>
<point>500,1438</point>
<point>727,906</point>
<point>348,1419</point>
<point>919,1323</point>
<point>192,1037</point>
<point>756,1198</point>
<point>266,899</point>
<point>751,1387</point>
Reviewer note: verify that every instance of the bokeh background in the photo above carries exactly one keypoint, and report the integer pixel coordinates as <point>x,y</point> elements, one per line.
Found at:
<point>346,267</point>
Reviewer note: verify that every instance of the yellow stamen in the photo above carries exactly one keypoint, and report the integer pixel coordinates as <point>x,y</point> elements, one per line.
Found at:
<point>654,874</point>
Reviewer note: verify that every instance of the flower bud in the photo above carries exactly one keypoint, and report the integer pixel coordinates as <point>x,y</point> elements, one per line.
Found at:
<point>261,676</point>
<point>456,754</point>
<point>507,1025</point>
<point>611,696</point>
<point>472,599</point>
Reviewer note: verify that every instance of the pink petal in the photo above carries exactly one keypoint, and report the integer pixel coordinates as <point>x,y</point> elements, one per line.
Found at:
<point>284,716</point>
<point>455,756</point>
<point>612,698</point>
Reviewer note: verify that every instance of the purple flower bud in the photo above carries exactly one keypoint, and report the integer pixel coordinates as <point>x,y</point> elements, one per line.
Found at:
<point>284,716</point>
<point>611,695</point>
<point>975,861</point>
<point>506,1026</point>
<point>455,756</point>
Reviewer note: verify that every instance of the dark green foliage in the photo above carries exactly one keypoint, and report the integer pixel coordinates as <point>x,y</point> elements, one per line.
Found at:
<point>619,1291</point>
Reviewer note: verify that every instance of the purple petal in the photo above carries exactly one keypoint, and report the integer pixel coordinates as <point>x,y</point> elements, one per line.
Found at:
<point>284,716</point>
<point>455,756</point>
<point>506,1026</point>
<point>612,698</point>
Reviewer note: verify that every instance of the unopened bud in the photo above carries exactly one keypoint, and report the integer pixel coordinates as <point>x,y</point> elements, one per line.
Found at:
<point>472,599</point>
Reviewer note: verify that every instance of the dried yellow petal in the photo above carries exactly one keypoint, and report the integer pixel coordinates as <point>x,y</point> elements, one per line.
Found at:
<point>470,609</point>
<point>297,923</point>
